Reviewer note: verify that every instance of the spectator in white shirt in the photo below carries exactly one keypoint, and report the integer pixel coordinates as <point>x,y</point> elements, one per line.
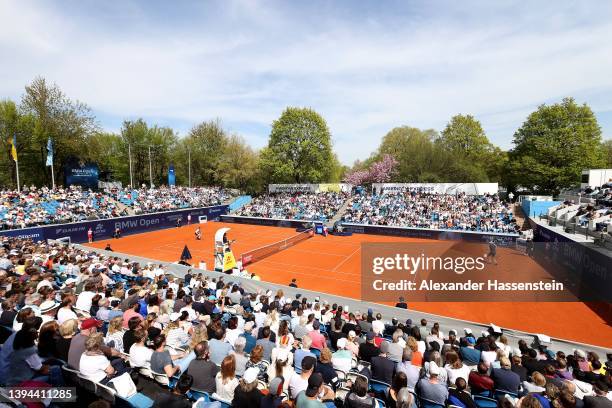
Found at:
<point>140,355</point>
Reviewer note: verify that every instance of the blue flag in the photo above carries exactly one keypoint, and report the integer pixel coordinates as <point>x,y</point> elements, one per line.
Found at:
<point>49,152</point>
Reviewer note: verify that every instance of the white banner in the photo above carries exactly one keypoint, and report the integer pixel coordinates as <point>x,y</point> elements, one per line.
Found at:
<point>437,188</point>
<point>293,188</point>
<point>309,188</point>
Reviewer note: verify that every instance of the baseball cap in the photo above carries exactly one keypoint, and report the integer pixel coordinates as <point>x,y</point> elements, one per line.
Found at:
<point>470,340</point>
<point>352,334</point>
<point>370,336</point>
<point>433,368</point>
<point>89,323</point>
<point>174,316</point>
<point>341,343</point>
<point>314,383</point>
<point>250,375</point>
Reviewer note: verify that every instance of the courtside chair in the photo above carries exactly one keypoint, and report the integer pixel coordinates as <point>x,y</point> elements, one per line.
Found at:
<point>88,384</point>
<point>224,403</point>
<point>196,394</point>
<point>426,403</point>
<point>138,400</point>
<point>342,392</point>
<point>106,393</point>
<point>352,376</point>
<point>497,394</point>
<point>380,388</point>
<point>485,402</point>
<point>71,376</point>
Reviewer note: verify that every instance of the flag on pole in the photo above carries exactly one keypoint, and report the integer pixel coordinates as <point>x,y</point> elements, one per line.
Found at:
<point>13,143</point>
<point>49,152</point>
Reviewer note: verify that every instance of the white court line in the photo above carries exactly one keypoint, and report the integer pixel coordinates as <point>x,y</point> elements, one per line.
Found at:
<point>347,258</point>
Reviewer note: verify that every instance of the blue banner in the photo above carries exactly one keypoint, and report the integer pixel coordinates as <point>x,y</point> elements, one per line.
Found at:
<point>271,222</point>
<point>103,229</point>
<point>445,235</point>
<point>171,176</point>
<point>81,174</point>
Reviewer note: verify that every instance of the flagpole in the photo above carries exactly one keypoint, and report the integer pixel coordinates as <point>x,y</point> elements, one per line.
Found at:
<point>52,177</point>
<point>17,168</point>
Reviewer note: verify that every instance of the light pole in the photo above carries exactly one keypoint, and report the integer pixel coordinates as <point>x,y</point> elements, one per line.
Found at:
<point>130,161</point>
<point>189,160</point>
<point>150,169</point>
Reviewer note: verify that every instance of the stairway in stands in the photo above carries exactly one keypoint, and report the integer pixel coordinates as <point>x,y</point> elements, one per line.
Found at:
<point>121,206</point>
<point>340,212</point>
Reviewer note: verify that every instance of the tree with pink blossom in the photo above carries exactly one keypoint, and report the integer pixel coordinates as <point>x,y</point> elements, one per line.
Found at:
<point>379,172</point>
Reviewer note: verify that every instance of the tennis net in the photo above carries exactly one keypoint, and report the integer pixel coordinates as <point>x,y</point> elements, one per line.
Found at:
<point>270,249</point>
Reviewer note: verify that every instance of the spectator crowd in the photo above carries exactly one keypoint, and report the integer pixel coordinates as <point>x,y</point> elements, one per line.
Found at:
<point>299,206</point>
<point>485,213</point>
<point>180,340</point>
<point>41,206</point>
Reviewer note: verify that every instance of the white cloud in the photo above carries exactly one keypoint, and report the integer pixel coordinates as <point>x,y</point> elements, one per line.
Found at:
<point>365,71</point>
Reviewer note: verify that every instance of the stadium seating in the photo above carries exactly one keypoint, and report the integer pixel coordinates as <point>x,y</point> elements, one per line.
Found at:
<point>202,294</point>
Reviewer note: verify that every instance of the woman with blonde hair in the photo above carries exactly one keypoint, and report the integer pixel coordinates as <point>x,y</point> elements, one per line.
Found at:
<point>94,365</point>
<point>226,380</point>
<point>67,331</point>
<point>417,356</point>
<point>115,334</point>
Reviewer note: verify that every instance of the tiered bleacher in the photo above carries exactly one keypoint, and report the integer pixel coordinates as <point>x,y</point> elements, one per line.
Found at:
<point>587,212</point>
<point>137,336</point>
<point>42,206</point>
<point>463,212</point>
<point>298,206</point>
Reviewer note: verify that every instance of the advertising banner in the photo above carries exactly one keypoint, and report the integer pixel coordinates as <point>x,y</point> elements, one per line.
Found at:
<point>272,222</point>
<point>103,229</point>
<point>293,188</point>
<point>445,235</point>
<point>171,176</point>
<point>436,188</point>
<point>309,188</point>
<point>81,174</point>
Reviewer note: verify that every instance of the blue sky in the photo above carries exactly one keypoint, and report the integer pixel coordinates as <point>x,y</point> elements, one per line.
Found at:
<point>366,66</point>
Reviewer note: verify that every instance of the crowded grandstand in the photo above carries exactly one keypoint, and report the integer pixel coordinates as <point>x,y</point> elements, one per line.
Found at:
<point>136,335</point>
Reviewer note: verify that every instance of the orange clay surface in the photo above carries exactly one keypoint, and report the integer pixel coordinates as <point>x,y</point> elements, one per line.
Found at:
<point>332,265</point>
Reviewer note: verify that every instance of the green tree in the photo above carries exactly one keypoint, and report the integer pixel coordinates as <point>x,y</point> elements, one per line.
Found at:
<point>150,149</point>
<point>299,149</point>
<point>464,136</point>
<point>14,123</point>
<point>554,145</point>
<point>238,167</point>
<point>607,152</point>
<point>68,123</point>
<point>414,149</point>
<point>207,142</point>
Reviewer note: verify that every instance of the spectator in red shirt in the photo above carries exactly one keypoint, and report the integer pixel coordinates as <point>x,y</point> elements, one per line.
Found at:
<point>480,381</point>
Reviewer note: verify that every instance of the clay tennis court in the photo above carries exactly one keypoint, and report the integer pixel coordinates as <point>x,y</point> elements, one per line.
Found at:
<point>332,265</point>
